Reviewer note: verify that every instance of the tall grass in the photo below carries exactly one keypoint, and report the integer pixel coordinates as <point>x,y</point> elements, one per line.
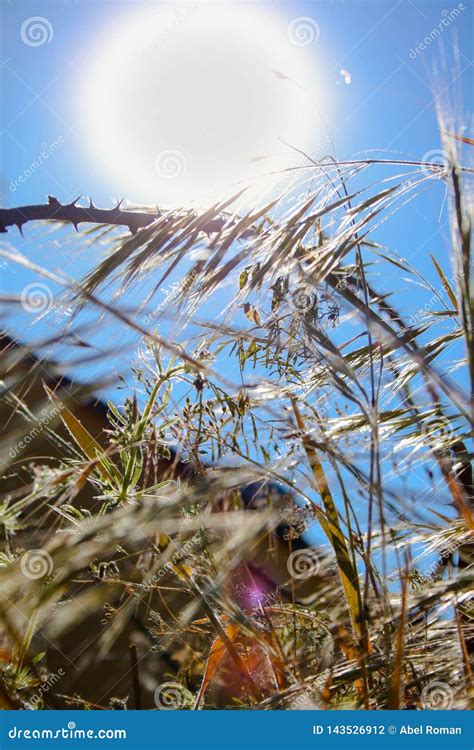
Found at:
<point>310,376</point>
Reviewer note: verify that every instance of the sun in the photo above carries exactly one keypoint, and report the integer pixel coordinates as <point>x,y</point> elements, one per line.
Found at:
<point>183,103</point>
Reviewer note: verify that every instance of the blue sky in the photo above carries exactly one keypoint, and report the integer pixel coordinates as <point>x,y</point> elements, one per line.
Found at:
<point>388,107</point>
<point>389,103</point>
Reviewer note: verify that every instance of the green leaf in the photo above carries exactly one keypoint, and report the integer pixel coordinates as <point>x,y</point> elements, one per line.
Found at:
<point>446,284</point>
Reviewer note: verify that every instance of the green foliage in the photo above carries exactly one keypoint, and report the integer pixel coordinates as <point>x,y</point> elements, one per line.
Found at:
<point>310,377</point>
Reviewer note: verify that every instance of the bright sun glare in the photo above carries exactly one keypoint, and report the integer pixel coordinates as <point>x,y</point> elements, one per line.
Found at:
<point>184,101</point>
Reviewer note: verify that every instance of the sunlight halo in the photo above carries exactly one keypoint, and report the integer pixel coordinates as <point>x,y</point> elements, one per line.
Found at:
<point>184,103</point>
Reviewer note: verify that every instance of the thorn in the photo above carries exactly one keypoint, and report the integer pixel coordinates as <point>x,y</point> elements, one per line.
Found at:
<point>53,201</point>
<point>20,228</point>
<point>91,205</point>
<point>119,204</point>
<point>77,199</point>
<point>74,225</point>
<point>132,229</point>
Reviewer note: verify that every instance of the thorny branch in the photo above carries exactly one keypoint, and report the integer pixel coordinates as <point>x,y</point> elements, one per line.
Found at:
<point>71,213</point>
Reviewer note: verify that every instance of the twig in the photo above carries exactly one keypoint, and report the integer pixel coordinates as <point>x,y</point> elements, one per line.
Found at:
<point>137,696</point>
<point>53,210</point>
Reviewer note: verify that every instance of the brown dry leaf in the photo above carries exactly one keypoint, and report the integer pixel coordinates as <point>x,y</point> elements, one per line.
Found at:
<point>216,654</point>
<point>252,314</point>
